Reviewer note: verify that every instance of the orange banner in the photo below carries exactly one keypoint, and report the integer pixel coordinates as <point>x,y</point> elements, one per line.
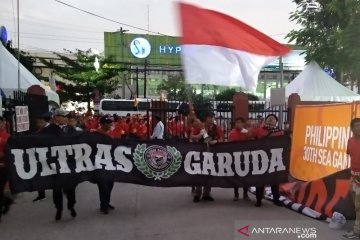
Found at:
<point>319,140</point>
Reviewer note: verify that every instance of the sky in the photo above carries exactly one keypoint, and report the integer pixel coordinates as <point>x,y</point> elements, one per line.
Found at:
<point>46,25</point>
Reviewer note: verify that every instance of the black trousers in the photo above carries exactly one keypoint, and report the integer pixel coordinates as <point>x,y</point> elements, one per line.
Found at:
<point>58,197</point>
<point>41,194</point>
<point>275,192</point>
<point>3,179</point>
<point>245,191</point>
<point>105,188</point>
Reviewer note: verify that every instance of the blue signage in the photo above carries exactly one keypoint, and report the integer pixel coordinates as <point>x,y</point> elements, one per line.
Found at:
<point>3,35</point>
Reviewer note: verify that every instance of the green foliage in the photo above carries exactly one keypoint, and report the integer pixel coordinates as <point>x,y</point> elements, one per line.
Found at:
<point>227,95</point>
<point>330,33</point>
<point>175,87</point>
<point>80,76</point>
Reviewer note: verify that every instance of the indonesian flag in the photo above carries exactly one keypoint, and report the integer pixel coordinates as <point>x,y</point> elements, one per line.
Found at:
<point>220,50</point>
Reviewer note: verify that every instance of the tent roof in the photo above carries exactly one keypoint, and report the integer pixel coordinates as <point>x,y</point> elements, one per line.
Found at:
<point>313,84</point>
<point>9,76</point>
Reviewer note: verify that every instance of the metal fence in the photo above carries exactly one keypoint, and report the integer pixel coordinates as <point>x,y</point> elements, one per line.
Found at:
<point>37,104</point>
<point>260,109</point>
<point>175,115</point>
<point>177,118</point>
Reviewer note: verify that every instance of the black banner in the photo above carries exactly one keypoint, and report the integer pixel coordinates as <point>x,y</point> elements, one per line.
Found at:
<point>44,162</point>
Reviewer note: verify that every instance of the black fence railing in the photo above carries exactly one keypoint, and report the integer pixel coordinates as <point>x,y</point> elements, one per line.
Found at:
<point>37,104</point>
<point>178,121</point>
<point>260,109</point>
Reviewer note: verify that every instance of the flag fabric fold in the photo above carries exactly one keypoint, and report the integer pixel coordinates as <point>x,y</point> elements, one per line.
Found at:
<point>220,50</point>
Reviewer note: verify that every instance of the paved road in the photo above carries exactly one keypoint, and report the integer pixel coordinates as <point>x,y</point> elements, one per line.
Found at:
<point>144,213</point>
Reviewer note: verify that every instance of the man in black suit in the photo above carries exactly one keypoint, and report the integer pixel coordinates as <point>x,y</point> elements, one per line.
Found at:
<point>56,128</point>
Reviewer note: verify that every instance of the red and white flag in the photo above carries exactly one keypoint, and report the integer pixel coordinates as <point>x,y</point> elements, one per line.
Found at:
<point>220,50</point>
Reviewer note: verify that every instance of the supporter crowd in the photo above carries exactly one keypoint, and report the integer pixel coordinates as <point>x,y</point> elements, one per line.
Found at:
<point>205,129</point>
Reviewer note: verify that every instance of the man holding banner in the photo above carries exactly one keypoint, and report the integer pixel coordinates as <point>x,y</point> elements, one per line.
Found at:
<point>215,135</point>
<point>270,129</point>
<point>3,170</point>
<point>353,149</point>
<point>105,186</point>
<point>239,133</point>
<point>56,129</point>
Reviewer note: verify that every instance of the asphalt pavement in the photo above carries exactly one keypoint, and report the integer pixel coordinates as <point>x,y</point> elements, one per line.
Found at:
<point>147,213</point>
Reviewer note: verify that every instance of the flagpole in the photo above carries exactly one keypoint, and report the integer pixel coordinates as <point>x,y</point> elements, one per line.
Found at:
<point>281,72</point>
<point>281,86</point>
<point>18,39</point>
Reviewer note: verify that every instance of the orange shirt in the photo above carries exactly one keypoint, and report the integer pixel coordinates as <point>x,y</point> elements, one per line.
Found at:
<point>353,149</point>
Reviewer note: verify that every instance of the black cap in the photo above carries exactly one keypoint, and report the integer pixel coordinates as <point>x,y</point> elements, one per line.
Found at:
<point>106,119</point>
<point>47,116</point>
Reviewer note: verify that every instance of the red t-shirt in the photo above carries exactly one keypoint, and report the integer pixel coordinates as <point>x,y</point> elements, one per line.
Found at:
<point>236,135</point>
<point>142,134</point>
<point>3,139</point>
<point>353,149</point>
<point>215,134</point>
<point>261,132</point>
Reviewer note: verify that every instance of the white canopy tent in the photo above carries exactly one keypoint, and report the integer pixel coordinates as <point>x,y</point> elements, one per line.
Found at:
<point>314,84</point>
<point>9,77</point>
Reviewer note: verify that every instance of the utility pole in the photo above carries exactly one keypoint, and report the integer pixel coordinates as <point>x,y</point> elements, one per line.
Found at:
<point>145,69</point>
<point>281,65</point>
<point>122,31</point>
<point>137,82</point>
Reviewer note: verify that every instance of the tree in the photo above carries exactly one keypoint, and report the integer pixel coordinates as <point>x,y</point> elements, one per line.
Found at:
<point>327,33</point>
<point>80,77</point>
<point>227,95</point>
<point>175,87</point>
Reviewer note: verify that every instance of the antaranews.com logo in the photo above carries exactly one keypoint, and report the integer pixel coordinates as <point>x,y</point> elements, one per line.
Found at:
<point>272,230</point>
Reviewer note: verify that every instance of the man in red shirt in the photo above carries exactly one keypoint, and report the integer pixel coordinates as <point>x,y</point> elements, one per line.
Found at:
<point>353,150</point>
<point>269,129</point>
<point>3,171</point>
<point>239,133</point>
<point>217,135</point>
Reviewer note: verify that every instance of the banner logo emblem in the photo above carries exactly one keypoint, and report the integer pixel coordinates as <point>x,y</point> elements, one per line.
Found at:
<point>156,161</point>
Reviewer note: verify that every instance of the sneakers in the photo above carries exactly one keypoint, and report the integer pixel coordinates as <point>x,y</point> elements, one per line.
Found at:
<point>196,199</point>
<point>104,211</point>
<point>73,212</point>
<point>278,203</point>
<point>350,235</point>
<point>110,207</point>
<point>246,197</point>
<point>38,199</point>
<point>58,215</point>
<point>258,204</point>
<point>208,198</point>
<point>236,198</point>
